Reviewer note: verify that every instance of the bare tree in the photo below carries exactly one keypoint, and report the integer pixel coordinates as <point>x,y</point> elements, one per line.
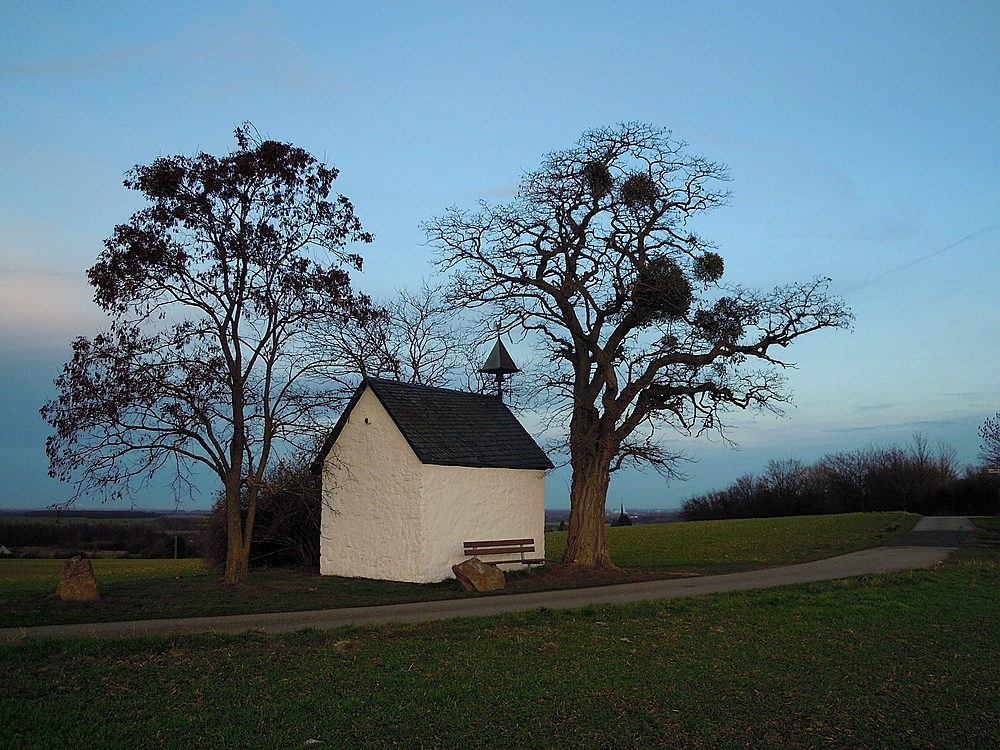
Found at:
<point>931,469</point>
<point>989,432</point>
<point>415,337</point>
<point>595,260</point>
<point>428,338</point>
<point>211,289</point>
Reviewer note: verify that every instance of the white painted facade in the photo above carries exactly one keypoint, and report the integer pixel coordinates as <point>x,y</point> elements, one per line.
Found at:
<point>386,515</point>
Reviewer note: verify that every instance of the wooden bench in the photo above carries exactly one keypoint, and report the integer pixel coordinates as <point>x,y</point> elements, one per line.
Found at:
<point>492,547</point>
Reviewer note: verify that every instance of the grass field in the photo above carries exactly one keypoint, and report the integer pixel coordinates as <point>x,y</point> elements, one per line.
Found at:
<point>905,660</point>
<point>725,546</point>
<point>151,589</point>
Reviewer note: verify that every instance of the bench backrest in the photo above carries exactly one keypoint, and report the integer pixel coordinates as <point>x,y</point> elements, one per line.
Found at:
<point>499,547</point>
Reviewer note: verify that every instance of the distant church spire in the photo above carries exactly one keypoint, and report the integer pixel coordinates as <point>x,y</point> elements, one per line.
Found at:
<point>499,363</point>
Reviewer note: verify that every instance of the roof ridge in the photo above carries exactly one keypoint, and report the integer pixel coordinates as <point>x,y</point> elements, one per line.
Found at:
<point>448,427</point>
<point>424,386</point>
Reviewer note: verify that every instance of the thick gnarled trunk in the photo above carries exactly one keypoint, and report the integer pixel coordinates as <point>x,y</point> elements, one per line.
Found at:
<point>587,541</point>
<point>592,449</point>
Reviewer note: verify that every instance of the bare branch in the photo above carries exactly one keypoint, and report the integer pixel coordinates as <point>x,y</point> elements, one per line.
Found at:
<point>595,260</point>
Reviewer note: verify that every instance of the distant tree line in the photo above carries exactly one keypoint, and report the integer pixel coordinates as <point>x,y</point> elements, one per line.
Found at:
<point>913,478</point>
<point>106,515</point>
<point>136,539</point>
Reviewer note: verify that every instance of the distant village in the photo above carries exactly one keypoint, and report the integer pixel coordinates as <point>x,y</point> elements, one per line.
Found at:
<point>558,520</point>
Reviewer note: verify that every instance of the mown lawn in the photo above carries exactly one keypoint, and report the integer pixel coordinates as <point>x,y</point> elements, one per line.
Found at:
<point>162,589</point>
<point>905,660</point>
<point>726,546</point>
<point>153,589</point>
<point>18,577</point>
<point>894,661</point>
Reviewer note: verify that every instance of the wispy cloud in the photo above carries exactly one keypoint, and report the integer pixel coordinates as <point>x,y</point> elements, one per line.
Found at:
<point>37,305</point>
<point>73,67</point>
<point>240,56</point>
<point>503,192</point>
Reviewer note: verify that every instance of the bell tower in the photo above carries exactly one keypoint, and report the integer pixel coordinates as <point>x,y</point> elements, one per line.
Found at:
<point>499,364</point>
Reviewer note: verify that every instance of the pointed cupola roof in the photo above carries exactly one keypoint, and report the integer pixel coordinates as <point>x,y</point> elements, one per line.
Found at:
<point>499,362</point>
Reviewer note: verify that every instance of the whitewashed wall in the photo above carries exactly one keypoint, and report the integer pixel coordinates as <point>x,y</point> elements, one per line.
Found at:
<point>463,504</point>
<point>372,525</point>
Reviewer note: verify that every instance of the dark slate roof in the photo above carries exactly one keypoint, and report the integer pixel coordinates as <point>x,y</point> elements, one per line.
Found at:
<point>450,428</point>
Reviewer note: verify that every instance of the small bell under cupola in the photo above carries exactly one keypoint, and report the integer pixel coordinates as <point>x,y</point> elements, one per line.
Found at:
<point>499,364</point>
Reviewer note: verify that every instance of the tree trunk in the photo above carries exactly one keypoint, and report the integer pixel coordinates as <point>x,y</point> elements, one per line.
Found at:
<point>587,542</point>
<point>237,553</point>
<point>237,537</point>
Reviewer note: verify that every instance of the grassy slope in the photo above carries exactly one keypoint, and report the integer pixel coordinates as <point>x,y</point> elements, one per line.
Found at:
<point>723,546</point>
<point>150,589</point>
<point>905,660</point>
<point>890,661</point>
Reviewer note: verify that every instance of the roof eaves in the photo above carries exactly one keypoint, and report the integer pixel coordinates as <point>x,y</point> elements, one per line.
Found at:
<point>331,439</point>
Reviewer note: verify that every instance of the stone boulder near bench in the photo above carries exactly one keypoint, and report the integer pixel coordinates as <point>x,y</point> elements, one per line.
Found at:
<point>475,575</point>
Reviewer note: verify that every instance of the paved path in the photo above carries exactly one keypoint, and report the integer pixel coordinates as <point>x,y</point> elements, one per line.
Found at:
<point>930,543</point>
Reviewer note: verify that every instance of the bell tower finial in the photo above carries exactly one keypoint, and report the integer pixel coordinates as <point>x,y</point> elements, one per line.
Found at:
<point>499,363</point>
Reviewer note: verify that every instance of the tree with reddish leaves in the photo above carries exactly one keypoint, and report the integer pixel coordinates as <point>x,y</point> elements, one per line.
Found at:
<point>594,258</point>
<point>211,290</point>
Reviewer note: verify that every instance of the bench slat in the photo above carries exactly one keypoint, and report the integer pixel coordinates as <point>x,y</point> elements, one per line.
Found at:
<point>499,550</point>
<point>497,542</point>
<point>517,561</point>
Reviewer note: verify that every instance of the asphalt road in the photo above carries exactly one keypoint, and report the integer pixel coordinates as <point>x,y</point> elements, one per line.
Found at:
<point>930,543</point>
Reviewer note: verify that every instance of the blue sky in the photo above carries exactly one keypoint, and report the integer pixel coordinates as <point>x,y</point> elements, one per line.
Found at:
<point>863,140</point>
